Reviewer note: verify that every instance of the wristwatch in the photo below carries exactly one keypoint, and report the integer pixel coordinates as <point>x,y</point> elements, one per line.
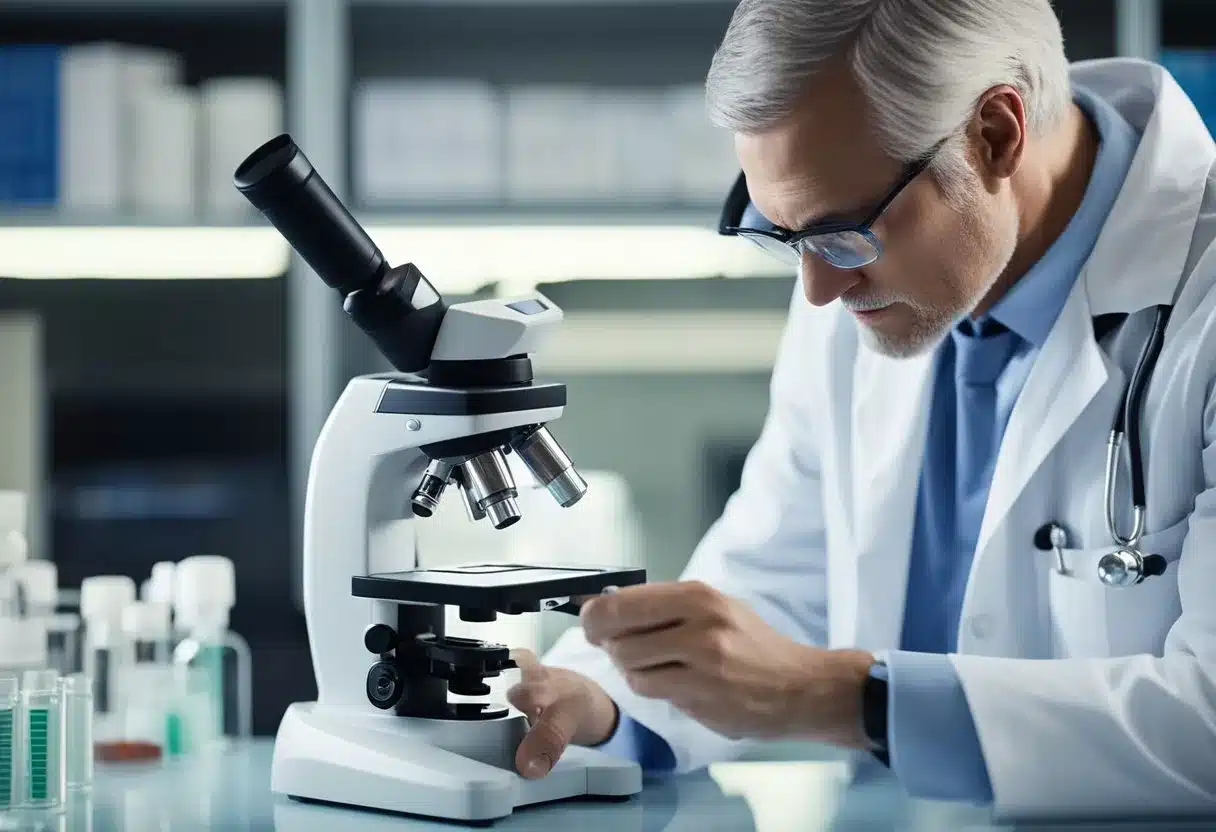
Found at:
<point>874,711</point>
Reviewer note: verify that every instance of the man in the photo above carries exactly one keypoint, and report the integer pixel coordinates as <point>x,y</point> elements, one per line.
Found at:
<point>982,234</point>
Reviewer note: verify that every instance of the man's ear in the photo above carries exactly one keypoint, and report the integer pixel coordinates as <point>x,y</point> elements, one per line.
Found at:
<point>997,134</point>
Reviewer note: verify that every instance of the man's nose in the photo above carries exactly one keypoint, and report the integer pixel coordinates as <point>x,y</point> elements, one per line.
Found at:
<point>823,283</point>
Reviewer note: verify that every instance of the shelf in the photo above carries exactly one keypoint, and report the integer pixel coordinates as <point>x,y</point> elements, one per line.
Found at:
<point>627,4</point>
<point>517,256</point>
<point>468,250</point>
<point>50,247</point>
<point>20,217</point>
<point>581,213</point>
<point>106,7</point>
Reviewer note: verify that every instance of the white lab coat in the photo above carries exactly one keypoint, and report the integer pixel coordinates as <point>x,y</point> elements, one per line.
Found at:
<point>1087,700</point>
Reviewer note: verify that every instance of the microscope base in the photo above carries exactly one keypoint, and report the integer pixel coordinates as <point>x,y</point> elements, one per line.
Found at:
<point>456,770</point>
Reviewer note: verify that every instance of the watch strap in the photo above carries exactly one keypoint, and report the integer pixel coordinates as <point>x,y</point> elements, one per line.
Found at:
<point>874,700</point>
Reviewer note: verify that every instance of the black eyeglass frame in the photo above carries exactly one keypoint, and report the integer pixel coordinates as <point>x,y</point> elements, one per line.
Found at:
<point>739,201</point>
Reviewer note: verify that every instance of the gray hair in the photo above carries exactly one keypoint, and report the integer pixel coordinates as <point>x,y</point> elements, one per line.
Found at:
<point>921,64</point>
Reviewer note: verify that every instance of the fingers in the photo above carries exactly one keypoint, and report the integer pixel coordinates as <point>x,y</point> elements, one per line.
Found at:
<point>526,660</point>
<point>531,697</point>
<point>552,731</point>
<point>552,717</point>
<point>673,683</point>
<point>682,644</point>
<point>649,607</point>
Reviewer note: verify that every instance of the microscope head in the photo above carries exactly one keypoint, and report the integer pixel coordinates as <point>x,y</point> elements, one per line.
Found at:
<point>451,360</point>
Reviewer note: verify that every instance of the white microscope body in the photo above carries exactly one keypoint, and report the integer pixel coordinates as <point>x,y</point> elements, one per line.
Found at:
<point>381,734</point>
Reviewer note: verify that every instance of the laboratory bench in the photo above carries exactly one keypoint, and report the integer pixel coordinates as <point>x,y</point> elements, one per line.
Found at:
<point>231,791</point>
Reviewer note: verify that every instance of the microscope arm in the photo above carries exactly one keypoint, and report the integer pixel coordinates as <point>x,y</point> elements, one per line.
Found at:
<point>364,463</point>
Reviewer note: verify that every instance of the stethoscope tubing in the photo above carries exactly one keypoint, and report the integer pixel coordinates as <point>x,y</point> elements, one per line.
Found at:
<point>1127,427</point>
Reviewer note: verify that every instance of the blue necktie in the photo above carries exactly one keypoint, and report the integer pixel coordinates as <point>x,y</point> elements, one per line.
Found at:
<point>980,357</point>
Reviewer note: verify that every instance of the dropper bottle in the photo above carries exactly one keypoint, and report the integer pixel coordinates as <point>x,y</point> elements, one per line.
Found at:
<point>212,666</point>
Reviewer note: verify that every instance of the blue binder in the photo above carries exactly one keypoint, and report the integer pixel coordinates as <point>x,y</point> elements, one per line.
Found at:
<point>29,125</point>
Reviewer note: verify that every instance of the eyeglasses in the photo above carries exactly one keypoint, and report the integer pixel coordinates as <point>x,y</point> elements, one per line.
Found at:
<point>845,245</point>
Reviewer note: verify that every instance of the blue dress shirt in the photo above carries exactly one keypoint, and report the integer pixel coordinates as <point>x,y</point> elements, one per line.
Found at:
<point>935,751</point>
<point>934,747</point>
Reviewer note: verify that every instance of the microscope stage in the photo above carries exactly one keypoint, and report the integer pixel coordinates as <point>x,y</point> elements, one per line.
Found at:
<point>506,587</point>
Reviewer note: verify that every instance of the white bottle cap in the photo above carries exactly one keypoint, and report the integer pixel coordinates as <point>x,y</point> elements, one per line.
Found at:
<point>39,581</point>
<point>146,621</point>
<point>22,642</point>
<point>160,585</point>
<point>105,597</point>
<point>204,590</point>
<point>13,548</point>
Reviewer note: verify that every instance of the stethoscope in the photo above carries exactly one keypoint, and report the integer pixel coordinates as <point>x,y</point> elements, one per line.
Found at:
<point>1127,565</point>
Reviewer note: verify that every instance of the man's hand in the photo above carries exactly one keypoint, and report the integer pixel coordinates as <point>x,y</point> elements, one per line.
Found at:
<point>716,660</point>
<point>562,707</point>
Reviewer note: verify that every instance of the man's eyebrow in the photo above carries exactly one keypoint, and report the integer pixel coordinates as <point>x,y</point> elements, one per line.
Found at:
<point>834,216</point>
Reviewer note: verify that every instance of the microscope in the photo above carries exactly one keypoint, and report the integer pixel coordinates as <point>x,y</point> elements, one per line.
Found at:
<point>382,733</point>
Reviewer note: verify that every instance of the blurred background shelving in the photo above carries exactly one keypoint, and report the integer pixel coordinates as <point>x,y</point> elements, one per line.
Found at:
<point>502,144</point>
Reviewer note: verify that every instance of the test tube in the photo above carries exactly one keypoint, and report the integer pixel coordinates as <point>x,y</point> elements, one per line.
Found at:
<point>42,735</point>
<point>77,691</point>
<point>10,698</point>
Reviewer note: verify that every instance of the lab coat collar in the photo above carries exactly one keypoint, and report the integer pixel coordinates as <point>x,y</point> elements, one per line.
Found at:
<point>1137,262</point>
<point>1140,256</point>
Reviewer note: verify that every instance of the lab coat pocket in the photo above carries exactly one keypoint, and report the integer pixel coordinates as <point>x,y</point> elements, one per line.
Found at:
<point>1092,620</point>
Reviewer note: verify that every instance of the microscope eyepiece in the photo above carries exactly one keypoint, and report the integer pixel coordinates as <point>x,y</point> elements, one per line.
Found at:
<point>398,308</point>
<point>281,183</point>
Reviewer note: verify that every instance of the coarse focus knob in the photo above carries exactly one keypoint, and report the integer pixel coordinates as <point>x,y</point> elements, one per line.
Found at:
<point>380,639</point>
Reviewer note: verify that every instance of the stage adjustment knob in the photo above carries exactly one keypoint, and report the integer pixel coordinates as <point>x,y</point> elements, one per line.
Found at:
<point>380,639</point>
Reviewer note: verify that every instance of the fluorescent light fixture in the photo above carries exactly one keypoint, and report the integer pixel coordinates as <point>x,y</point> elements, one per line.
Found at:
<point>466,257</point>
<point>462,257</point>
<point>141,252</point>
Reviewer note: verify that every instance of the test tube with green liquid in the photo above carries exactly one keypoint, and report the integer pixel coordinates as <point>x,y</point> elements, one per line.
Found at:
<point>10,698</point>
<point>42,734</point>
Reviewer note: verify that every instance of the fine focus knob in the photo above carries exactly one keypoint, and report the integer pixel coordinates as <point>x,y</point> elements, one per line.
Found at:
<point>385,685</point>
<point>380,639</point>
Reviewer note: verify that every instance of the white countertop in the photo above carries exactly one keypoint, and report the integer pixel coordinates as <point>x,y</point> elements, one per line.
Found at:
<point>232,792</point>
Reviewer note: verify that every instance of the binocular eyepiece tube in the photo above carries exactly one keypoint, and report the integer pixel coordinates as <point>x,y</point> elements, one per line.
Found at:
<point>398,307</point>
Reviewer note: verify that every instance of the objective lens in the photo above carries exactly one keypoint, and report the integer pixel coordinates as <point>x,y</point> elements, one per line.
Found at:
<point>503,513</point>
<point>551,466</point>
<point>489,482</point>
<point>426,497</point>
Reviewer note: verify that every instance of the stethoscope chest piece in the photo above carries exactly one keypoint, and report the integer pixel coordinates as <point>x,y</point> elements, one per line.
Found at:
<point>1127,567</point>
